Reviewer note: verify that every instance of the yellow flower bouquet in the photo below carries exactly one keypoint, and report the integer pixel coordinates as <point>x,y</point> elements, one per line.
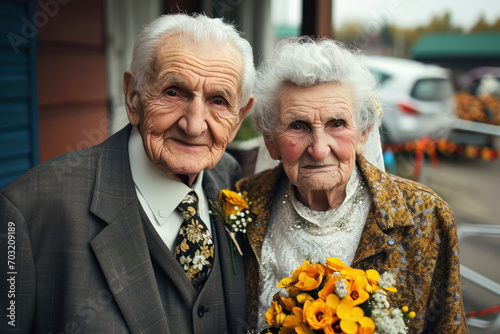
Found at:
<point>335,298</point>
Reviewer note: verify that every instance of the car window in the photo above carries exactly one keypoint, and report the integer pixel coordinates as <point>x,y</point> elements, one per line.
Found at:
<point>432,89</point>
<point>380,77</point>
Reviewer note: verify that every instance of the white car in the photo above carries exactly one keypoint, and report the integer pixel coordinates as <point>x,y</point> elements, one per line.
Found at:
<point>417,99</point>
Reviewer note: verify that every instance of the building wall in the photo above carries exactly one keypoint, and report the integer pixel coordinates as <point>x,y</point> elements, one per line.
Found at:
<point>18,86</point>
<point>72,93</point>
<point>124,20</point>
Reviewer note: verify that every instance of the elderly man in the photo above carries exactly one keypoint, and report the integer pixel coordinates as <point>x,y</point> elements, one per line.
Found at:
<point>120,239</point>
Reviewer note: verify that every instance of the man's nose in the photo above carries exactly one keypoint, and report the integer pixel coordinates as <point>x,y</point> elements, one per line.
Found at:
<point>319,146</point>
<point>193,121</point>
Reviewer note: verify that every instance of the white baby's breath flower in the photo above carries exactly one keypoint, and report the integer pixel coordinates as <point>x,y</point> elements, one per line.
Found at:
<point>386,280</point>
<point>341,289</point>
<point>380,298</point>
<point>387,321</point>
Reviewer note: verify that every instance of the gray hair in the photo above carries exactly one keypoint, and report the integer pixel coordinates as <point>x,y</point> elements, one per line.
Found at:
<point>203,30</point>
<point>304,62</point>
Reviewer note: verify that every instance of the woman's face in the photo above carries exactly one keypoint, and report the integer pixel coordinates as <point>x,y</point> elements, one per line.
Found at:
<point>316,136</point>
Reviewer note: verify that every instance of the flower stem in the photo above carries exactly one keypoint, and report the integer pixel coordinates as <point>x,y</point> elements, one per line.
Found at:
<point>232,256</point>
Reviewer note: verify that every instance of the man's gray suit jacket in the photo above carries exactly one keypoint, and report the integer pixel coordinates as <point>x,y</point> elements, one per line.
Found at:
<point>75,257</point>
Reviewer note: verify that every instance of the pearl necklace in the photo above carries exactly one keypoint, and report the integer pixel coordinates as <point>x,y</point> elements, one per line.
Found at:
<point>341,224</point>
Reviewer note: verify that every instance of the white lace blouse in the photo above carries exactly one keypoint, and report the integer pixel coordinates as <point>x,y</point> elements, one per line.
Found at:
<point>285,246</point>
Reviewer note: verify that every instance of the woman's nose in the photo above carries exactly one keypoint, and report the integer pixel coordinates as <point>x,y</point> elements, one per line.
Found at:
<point>319,147</point>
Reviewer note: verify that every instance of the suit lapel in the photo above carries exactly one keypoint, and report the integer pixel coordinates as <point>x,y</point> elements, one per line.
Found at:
<point>121,247</point>
<point>374,242</point>
<point>382,222</point>
<point>233,283</point>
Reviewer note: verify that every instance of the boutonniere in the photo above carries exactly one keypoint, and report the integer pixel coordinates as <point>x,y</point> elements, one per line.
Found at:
<point>233,209</point>
<point>335,298</point>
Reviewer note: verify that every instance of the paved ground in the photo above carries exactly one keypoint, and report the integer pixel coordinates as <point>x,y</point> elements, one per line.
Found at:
<point>472,188</point>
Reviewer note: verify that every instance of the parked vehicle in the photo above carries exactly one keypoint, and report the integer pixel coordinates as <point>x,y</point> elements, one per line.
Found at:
<point>417,99</point>
<point>475,80</point>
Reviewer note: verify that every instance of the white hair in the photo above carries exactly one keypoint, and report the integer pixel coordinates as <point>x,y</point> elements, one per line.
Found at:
<point>304,62</point>
<point>201,29</point>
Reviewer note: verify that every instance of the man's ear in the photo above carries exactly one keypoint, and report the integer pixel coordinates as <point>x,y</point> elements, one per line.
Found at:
<point>132,103</point>
<point>360,146</point>
<point>242,114</point>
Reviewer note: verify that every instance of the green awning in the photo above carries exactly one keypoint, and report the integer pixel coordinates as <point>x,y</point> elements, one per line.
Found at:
<point>457,46</point>
<point>284,31</point>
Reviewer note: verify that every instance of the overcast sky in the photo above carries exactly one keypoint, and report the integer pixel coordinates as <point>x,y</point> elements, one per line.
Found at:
<point>402,12</point>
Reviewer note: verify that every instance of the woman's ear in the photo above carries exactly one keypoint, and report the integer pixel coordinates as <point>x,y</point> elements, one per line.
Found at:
<point>360,145</point>
<point>273,149</point>
<point>132,102</point>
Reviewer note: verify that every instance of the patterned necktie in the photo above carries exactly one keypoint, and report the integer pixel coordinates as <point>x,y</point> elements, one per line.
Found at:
<point>194,248</point>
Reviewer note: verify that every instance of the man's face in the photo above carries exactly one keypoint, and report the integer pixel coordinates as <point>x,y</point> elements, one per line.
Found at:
<point>190,112</point>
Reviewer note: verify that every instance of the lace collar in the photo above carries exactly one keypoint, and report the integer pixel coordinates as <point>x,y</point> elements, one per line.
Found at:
<point>322,218</point>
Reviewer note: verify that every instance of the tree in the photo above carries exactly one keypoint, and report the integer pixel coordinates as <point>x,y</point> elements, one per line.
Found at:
<point>440,23</point>
<point>496,25</point>
<point>481,25</point>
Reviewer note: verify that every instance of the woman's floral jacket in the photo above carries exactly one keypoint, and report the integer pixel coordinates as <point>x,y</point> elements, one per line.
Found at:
<point>410,231</point>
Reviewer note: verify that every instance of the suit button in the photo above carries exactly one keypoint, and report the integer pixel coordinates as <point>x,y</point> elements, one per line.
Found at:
<point>201,311</point>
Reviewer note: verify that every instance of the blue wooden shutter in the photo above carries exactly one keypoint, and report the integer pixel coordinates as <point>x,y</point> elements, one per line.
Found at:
<point>18,89</point>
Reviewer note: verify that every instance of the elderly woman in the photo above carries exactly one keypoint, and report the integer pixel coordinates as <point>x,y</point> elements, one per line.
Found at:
<point>316,109</point>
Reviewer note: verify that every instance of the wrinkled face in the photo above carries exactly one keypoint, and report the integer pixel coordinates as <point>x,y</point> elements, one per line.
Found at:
<point>189,113</point>
<point>316,136</point>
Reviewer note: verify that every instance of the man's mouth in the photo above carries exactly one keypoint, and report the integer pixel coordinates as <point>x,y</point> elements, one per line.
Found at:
<point>186,143</point>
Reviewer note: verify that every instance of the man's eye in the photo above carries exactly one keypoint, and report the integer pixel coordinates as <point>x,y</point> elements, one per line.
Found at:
<point>219,102</point>
<point>296,126</point>
<point>171,93</point>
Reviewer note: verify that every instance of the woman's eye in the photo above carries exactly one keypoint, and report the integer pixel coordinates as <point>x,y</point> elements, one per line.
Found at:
<point>338,123</point>
<point>171,93</point>
<point>296,126</point>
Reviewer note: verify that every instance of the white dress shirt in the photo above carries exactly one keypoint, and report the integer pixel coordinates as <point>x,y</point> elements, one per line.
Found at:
<point>159,195</point>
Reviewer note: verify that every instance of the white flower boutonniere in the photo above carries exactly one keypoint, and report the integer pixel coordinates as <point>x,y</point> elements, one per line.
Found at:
<point>233,209</point>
